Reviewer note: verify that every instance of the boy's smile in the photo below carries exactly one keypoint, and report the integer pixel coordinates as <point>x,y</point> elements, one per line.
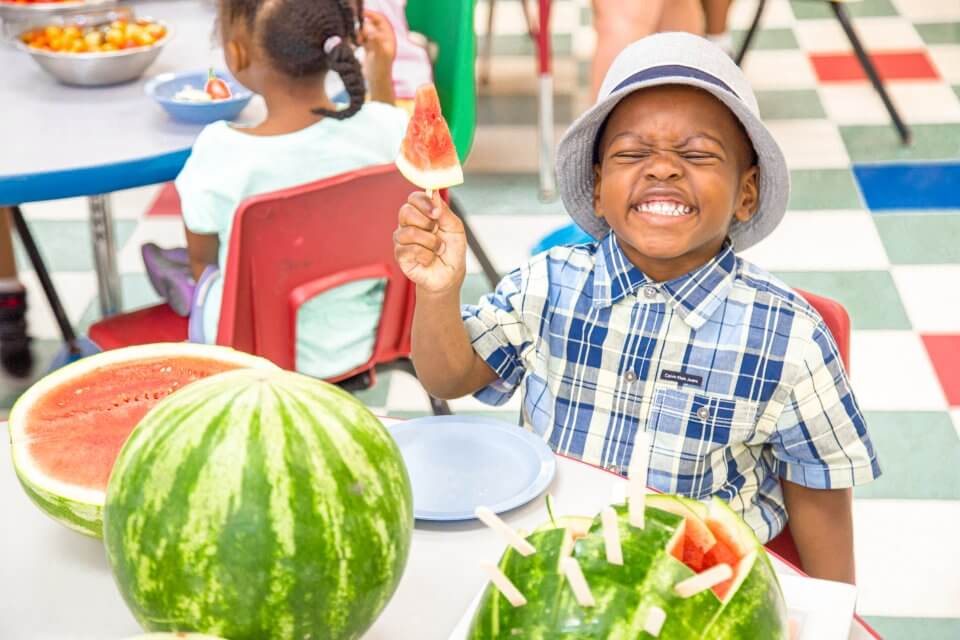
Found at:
<point>674,169</point>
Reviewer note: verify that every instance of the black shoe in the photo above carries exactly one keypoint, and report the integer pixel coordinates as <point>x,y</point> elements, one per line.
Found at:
<point>15,354</point>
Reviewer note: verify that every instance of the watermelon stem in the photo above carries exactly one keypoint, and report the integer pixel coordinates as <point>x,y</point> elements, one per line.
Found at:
<point>553,520</point>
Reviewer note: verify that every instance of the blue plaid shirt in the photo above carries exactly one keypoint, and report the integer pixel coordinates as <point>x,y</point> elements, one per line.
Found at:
<point>736,378</point>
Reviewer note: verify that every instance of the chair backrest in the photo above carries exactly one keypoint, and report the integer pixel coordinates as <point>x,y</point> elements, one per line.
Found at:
<point>836,318</point>
<point>450,25</point>
<point>288,246</point>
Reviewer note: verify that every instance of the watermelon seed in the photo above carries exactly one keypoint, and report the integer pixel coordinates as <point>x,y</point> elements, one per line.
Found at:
<point>357,488</point>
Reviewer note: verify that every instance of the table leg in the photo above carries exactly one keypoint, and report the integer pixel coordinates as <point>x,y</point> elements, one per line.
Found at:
<point>548,180</point>
<point>105,255</point>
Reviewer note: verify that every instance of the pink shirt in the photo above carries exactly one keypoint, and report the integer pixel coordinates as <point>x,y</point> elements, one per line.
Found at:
<point>411,68</point>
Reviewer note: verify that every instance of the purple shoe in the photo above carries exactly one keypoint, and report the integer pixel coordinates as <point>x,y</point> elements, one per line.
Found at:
<point>177,254</point>
<point>171,279</point>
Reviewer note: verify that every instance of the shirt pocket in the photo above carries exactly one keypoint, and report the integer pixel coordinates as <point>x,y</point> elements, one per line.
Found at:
<point>698,440</point>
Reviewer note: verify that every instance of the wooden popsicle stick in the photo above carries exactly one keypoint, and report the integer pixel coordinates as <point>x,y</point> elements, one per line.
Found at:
<point>578,583</point>
<point>510,536</point>
<point>654,622</point>
<point>503,583</point>
<point>703,581</point>
<point>638,478</point>
<point>611,536</point>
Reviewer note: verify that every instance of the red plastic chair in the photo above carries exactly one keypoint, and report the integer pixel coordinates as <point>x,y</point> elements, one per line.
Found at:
<point>837,319</point>
<point>285,248</point>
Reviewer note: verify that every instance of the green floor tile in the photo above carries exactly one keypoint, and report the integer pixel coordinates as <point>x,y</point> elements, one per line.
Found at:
<point>521,44</point>
<point>504,194</point>
<point>813,9</point>
<point>824,189</point>
<point>920,238</point>
<point>66,244</point>
<point>586,16</point>
<point>939,32</point>
<point>870,297</point>
<point>915,628</point>
<point>766,39</point>
<point>136,292</point>
<point>914,448</point>
<point>521,110</point>
<point>785,105</point>
<point>881,142</point>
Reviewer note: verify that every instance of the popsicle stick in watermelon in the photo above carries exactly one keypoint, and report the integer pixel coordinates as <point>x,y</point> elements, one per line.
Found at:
<point>427,157</point>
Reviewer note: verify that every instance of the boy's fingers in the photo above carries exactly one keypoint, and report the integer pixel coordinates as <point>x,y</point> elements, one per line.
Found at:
<point>412,236</point>
<point>414,254</point>
<point>411,216</point>
<point>448,221</point>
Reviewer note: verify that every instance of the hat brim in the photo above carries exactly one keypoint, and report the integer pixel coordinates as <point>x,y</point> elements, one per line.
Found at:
<point>575,161</point>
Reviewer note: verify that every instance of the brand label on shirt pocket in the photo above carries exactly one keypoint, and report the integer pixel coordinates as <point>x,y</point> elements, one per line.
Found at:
<point>695,429</point>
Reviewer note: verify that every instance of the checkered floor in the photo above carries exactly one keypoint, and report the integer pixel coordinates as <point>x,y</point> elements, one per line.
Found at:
<point>871,223</point>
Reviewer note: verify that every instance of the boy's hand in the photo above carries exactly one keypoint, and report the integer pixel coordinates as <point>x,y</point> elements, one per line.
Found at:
<point>430,244</point>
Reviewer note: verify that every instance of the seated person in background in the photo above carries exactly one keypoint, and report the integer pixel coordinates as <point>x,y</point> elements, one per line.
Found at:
<point>282,50</point>
<point>15,354</point>
<point>658,326</point>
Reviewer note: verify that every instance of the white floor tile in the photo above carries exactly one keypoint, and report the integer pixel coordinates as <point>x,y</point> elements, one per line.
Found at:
<point>955,415</point>
<point>891,371</point>
<point>406,394</point>
<point>776,15</point>
<point>905,565</point>
<point>779,69</point>
<point>946,58</point>
<point>128,204</point>
<point>918,102</point>
<point>76,291</point>
<point>810,144</point>
<point>876,34</point>
<point>517,76</point>
<point>928,10</point>
<point>166,231</point>
<point>507,149</point>
<point>931,296</point>
<point>790,247</point>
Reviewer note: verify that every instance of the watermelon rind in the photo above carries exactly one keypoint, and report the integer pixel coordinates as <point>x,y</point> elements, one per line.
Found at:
<point>259,505</point>
<point>434,178</point>
<point>625,594</point>
<point>81,508</point>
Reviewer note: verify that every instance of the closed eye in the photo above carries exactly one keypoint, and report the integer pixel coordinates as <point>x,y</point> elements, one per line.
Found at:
<point>699,156</point>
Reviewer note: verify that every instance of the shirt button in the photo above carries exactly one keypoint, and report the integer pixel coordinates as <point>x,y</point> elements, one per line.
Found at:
<point>649,292</point>
<point>630,376</point>
<point>703,413</point>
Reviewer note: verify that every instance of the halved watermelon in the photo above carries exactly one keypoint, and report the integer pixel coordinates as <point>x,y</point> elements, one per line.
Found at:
<point>428,157</point>
<point>67,429</point>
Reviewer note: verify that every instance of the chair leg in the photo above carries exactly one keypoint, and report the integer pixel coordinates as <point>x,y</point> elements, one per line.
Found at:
<point>486,57</point>
<point>474,243</point>
<point>841,13</point>
<point>751,33</point>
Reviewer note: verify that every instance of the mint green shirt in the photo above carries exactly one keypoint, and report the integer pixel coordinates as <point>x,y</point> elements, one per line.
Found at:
<point>336,329</point>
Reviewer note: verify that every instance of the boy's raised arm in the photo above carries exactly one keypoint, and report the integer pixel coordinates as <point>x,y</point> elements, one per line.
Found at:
<point>430,246</point>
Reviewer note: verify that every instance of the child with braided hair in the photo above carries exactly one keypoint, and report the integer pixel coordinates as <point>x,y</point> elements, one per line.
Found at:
<point>282,50</point>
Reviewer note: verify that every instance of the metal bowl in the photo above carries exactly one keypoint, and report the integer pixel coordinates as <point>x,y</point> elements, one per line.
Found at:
<point>98,69</point>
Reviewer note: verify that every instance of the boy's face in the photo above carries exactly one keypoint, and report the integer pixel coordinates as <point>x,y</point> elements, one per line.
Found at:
<point>675,168</point>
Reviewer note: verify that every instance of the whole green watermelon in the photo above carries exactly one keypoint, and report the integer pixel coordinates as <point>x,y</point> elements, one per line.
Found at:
<point>678,533</point>
<point>259,505</point>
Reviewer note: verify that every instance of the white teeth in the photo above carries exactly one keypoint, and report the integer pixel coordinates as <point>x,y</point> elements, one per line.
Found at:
<point>661,208</point>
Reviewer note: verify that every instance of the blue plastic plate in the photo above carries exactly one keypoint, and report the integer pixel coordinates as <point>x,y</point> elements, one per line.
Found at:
<point>162,88</point>
<point>458,463</point>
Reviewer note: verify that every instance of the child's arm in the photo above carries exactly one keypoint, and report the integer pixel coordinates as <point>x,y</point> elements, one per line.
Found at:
<point>446,363</point>
<point>821,522</point>
<point>202,249</point>
<point>380,44</point>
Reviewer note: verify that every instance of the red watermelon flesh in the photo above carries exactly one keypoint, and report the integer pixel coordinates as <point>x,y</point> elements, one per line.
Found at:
<point>77,430</point>
<point>705,544</point>
<point>428,157</point>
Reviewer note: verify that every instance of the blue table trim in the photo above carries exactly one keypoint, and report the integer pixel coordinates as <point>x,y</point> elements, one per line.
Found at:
<point>90,181</point>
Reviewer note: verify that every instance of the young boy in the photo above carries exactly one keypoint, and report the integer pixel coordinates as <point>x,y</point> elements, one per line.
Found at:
<point>658,325</point>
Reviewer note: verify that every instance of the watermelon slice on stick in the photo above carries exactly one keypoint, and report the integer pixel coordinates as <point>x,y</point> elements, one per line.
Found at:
<point>427,157</point>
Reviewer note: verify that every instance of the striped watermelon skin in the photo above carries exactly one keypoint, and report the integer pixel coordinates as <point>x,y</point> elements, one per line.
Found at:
<point>259,505</point>
<point>624,594</point>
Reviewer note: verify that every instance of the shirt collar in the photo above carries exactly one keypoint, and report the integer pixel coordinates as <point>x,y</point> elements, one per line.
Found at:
<point>694,296</point>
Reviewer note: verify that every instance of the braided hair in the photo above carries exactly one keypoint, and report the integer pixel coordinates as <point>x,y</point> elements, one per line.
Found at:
<point>307,37</point>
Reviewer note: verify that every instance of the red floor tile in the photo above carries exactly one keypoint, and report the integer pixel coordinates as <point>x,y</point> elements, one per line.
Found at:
<point>167,202</point>
<point>900,65</point>
<point>944,352</point>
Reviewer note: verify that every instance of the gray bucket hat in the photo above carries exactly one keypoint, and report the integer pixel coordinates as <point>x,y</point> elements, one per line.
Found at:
<point>673,58</point>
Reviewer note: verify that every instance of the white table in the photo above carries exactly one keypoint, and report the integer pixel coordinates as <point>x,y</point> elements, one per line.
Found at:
<point>55,584</point>
<point>61,141</point>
